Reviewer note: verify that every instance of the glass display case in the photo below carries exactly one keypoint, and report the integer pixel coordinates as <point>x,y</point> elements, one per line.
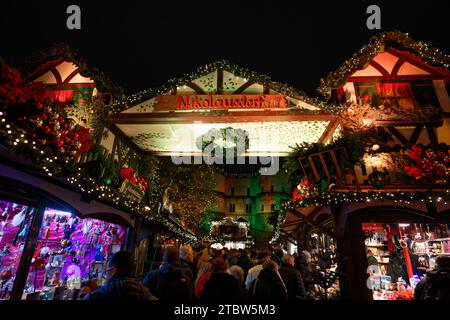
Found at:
<point>15,222</point>
<point>70,250</point>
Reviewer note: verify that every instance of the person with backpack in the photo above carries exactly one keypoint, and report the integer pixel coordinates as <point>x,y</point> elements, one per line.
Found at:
<point>436,284</point>
<point>172,281</point>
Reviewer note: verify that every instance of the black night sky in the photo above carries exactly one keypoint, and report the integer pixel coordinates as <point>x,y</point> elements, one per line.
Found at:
<point>142,44</point>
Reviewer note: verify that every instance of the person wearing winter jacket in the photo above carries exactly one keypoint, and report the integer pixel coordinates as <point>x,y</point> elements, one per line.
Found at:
<point>244,262</point>
<point>187,257</point>
<point>221,286</point>
<point>121,285</point>
<point>269,287</point>
<point>292,278</point>
<point>436,284</point>
<point>172,282</point>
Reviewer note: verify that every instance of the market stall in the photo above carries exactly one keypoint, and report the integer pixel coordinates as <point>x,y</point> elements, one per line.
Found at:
<point>399,255</point>
<point>69,251</point>
<point>15,222</point>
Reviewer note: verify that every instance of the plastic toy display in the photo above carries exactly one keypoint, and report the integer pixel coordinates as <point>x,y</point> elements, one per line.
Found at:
<point>71,250</point>
<point>15,221</point>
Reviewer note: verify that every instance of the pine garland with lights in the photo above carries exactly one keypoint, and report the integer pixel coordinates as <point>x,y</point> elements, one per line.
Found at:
<point>16,132</point>
<point>283,88</point>
<point>376,45</point>
<point>64,51</point>
<point>327,198</point>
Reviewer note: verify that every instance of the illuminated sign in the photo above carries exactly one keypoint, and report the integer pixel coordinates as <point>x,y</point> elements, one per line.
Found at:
<point>230,101</point>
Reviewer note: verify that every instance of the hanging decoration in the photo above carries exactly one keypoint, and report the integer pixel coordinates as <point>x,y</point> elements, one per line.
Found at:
<point>131,176</point>
<point>428,166</point>
<point>304,189</point>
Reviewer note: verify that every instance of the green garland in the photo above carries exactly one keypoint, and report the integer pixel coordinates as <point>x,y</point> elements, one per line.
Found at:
<point>62,50</point>
<point>376,45</point>
<point>128,101</point>
<point>327,198</point>
<point>353,142</point>
<point>44,160</point>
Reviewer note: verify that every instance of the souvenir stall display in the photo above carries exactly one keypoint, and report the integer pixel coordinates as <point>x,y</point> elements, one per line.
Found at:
<point>71,250</point>
<point>399,255</point>
<point>15,222</point>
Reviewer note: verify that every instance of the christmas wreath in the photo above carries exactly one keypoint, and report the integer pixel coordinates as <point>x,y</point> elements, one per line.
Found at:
<point>226,139</point>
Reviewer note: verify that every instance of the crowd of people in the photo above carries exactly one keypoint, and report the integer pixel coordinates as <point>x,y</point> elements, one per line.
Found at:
<point>230,276</point>
<point>209,276</point>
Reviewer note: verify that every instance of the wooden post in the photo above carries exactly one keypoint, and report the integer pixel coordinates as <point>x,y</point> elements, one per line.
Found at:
<point>27,254</point>
<point>351,256</point>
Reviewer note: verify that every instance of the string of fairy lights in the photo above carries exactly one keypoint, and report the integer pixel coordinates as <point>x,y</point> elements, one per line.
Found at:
<point>238,71</point>
<point>50,165</point>
<point>328,198</point>
<point>376,45</point>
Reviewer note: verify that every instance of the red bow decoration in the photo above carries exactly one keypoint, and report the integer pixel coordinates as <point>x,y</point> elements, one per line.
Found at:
<point>130,175</point>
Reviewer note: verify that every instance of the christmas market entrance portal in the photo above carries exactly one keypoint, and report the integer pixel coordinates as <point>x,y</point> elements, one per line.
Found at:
<point>356,182</point>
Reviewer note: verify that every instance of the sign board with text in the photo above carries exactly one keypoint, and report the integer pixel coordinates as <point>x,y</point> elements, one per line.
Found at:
<point>220,102</point>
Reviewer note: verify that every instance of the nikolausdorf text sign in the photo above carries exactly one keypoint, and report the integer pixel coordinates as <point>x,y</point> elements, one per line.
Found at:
<point>220,101</point>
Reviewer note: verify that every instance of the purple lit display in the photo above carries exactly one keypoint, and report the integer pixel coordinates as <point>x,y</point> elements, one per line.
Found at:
<point>71,249</point>
<point>15,221</point>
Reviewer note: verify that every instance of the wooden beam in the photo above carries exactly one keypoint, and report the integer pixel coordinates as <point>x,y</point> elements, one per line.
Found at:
<point>219,86</point>
<point>416,63</point>
<point>336,164</point>
<point>196,88</point>
<point>432,135</point>
<point>300,215</point>
<point>47,67</point>
<point>118,133</point>
<point>397,66</point>
<point>399,78</point>
<point>56,75</point>
<point>71,76</point>
<point>329,131</point>
<point>216,117</point>
<point>324,165</point>
<point>313,168</point>
<point>303,168</point>
<point>293,223</point>
<point>416,134</point>
<point>379,67</point>
<point>398,135</point>
<point>243,87</point>
<point>400,123</point>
